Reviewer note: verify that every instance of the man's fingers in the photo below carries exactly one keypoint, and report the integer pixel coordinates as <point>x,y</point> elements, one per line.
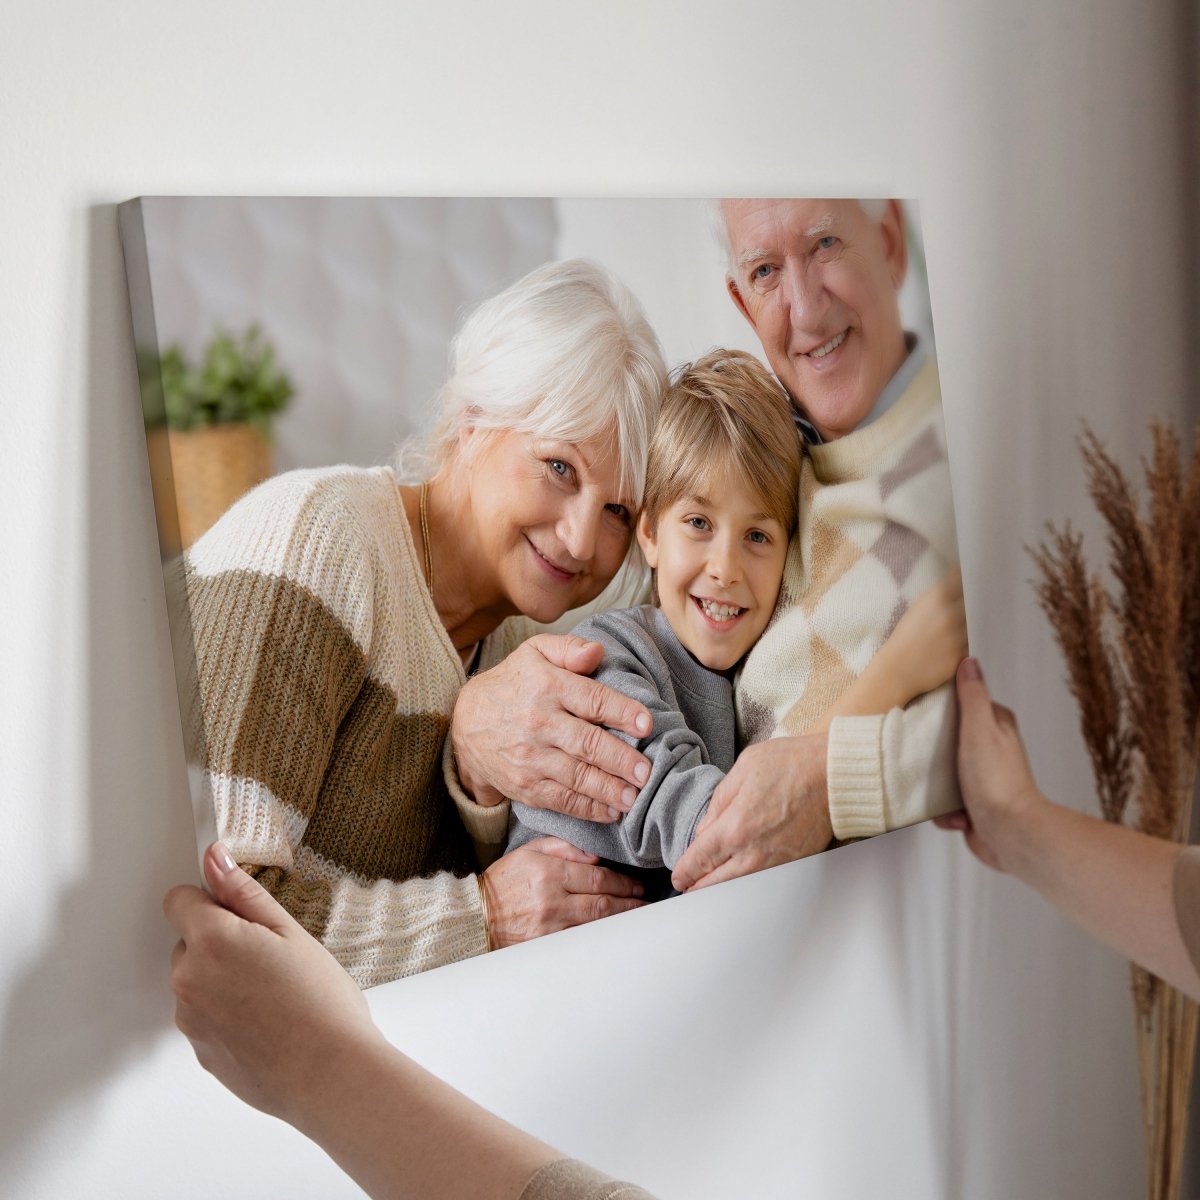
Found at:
<point>561,849</point>
<point>733,867</point>
<point>598,881</point>
<point>235,890</point>
<point>706,853</point>
<point>601,705</point>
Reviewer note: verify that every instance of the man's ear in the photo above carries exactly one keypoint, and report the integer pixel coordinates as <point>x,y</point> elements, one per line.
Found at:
<point>895,243</point>
<point>735,295</point>
<point>647,541</point>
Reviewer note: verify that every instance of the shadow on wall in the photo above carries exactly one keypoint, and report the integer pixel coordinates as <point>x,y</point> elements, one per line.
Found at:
<point>95,999</point>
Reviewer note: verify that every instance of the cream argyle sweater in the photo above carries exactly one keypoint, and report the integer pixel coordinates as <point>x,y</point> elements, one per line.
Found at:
<point>876,529</point>
<point>326,682</point>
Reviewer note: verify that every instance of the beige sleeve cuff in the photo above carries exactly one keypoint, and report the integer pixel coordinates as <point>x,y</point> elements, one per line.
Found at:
<point>487,825</point>
<point>568,1179</point>
<point>854,768</point>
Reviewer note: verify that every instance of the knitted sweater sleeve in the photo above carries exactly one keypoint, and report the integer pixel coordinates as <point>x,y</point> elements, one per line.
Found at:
<point>280,597</point>
<point>892,770</point>
<point>487,824</point>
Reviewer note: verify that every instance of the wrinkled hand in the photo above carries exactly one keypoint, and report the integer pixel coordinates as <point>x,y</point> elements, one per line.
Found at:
<point>993,772</point>
<point>532,729</point>
<point>771,808</point>
<point>548,885</point>
<point>261,1001</point>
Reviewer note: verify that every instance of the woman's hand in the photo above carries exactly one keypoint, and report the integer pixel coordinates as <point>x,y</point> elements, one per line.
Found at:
<point>549,885</point>
<point>532,729</point>
<point>261,1001</point>
<point>930,639</point>
<point>999,792</point>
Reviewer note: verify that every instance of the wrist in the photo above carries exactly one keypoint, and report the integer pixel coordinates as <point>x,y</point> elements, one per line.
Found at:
<point>1022,834</point>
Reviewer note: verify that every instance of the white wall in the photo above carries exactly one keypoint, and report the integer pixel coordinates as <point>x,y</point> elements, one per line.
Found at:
<point>1043,141</point>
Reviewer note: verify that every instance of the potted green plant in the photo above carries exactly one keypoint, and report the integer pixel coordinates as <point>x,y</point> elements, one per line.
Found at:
<point>209,425</point>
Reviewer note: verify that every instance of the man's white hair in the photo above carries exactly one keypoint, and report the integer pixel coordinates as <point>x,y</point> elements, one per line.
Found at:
<point>874,209</point>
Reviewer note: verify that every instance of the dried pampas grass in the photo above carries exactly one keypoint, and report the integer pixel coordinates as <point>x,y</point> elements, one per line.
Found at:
<point>1132,648</point>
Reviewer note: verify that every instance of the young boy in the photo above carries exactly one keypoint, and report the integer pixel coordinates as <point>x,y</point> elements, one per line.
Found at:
<point>721,503</point>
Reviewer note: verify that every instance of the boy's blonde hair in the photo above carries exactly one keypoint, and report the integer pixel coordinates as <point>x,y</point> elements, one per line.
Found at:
<point>724,413</point>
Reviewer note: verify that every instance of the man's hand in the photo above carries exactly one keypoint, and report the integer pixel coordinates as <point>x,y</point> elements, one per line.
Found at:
<point>532,729</point>
<point>771,808</point>
<point>548,885</point>
<point>260,1000</point>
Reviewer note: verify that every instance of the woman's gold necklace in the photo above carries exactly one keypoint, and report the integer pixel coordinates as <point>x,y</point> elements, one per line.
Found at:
<point>425,535</point>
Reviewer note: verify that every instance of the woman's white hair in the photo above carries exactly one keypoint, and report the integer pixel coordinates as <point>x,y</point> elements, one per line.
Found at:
<point>564,353</point>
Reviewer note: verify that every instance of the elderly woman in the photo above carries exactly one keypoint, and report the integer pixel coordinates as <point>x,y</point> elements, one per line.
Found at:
<point>337,613</point>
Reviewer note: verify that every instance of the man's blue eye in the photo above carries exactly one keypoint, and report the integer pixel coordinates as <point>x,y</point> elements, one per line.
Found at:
<point>757,536</point>
<point>827,242</point>
<point>760,272</point>
<point>697,522</point>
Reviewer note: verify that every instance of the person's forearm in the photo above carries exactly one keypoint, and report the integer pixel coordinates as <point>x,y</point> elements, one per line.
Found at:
<point>1115,882</point>
<point>874,692</point>
<point>402,1133</point>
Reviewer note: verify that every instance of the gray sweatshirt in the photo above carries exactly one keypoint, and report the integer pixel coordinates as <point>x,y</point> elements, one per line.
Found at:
<point>690,747</point>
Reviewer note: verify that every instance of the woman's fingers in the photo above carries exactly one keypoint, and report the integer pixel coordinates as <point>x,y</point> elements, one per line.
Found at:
<point>233,889</point>
<point>559,848</point>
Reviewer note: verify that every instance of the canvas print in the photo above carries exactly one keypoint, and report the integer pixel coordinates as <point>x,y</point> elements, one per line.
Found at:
<point>529,561</point>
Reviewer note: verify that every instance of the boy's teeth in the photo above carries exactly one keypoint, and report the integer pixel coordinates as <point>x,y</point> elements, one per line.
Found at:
<point>720,612</point>
<point>829,346</point>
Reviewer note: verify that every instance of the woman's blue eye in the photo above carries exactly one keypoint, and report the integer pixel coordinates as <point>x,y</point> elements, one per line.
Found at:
<point>827,242</point>
<point>697,522</point>
<point>758,537</point>
<point>560,468</point>
<point>618,510</point>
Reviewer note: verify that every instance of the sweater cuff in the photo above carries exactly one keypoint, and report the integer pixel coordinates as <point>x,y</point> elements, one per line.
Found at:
<point>854,768</point>
<point>487,825</point>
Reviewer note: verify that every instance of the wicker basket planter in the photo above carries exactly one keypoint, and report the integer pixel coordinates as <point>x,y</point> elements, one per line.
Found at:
<point>199,473</point>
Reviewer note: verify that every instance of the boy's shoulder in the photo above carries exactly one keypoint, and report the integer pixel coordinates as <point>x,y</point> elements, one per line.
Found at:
<point>639,629</point>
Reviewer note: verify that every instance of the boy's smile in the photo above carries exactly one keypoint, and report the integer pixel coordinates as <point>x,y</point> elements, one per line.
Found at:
<point>718,562</point>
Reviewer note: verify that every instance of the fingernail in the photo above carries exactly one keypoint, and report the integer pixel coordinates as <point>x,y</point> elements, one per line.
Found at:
<point>629,795</point>
<point>643,724</point>
<point>614,813</point>
<point>971,669</point>
<point>223,857</point>
<point>641,772</point>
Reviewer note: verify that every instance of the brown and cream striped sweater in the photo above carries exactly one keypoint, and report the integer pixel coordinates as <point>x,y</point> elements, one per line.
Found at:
<point>326,683</point>
<point>876,529</point>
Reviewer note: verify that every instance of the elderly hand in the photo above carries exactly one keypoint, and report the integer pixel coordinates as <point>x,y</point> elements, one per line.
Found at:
<point>771,808</point>
<point>260,1000</point>
<point>549,885</point>
<point>993,772</point>
<point>531,728</point>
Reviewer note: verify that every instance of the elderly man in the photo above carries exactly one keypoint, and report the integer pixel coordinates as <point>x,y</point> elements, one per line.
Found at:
<point>818,282</point>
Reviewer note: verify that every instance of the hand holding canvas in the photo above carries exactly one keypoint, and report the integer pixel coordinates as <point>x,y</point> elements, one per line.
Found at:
<point>532,729</point>
<point>771,808</point>
<point>273,1016</point>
